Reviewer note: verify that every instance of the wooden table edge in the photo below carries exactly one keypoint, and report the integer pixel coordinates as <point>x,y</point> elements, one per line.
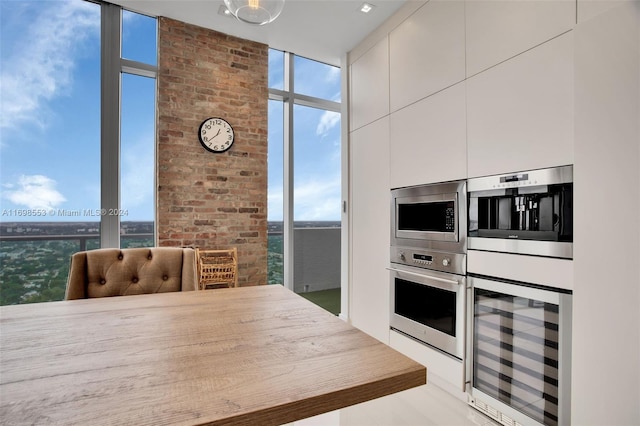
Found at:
<point>302,409</point>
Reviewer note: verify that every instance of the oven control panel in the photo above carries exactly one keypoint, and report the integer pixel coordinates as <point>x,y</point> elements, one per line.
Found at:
<point>422,259</point>
<point>430,259</point>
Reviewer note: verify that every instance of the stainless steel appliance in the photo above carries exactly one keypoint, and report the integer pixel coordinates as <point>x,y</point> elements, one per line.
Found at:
<point>429,305</point>
<point>430,217</point>
<point>528,212</point>
<point>519,356</point>
<point>428,264</point>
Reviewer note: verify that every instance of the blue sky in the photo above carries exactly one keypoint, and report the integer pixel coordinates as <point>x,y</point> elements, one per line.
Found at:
<point>50,119</point>
<point>317,136</point>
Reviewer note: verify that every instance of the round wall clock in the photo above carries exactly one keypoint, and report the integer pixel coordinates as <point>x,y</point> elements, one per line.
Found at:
<point>216,134</point>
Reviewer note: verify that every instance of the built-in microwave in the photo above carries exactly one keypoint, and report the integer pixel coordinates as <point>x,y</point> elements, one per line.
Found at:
<point>528,212</point>
<point>430,216</point>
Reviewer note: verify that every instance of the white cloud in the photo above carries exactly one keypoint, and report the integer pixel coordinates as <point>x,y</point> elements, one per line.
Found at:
<point>328,121</point>
<point>314,200</point>
<point>34,192</point>
<point>333,75</point>
<point>332,78</point>
<point>40,66</point>
<point>318,199</point>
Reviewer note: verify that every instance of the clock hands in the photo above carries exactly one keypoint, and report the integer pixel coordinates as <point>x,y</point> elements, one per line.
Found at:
<point>209,142</point>
<point>212,137</point>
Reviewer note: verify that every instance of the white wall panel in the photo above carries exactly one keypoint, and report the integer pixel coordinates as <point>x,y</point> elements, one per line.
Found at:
<point>497,30</point>
<point>370,219</point>
<point>369,82</point>
<point>428,140</point>
<point>588,9</point>
<point>520,113</point>
<point>606,309</point>
<point>426,52</point>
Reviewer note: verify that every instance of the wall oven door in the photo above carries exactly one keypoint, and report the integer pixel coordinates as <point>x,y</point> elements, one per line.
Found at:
<point>429,306</point>
<point>519,356</point>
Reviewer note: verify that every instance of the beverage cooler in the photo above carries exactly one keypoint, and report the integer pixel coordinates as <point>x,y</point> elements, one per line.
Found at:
<point>519,359</point>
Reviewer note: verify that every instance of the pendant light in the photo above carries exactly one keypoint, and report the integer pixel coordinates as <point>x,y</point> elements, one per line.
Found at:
<point>257,12</point>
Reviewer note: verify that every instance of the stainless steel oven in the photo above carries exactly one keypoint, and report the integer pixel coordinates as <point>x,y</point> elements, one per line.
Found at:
<point>430,216</point>
<point>428,264</point>
<point>528,212</point>
<point>428,304</point>
<point>519,356</point>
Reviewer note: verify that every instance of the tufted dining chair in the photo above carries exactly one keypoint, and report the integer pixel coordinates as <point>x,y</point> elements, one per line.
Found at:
<point>121,272</point>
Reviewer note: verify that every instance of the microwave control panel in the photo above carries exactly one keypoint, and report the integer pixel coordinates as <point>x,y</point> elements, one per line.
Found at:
<point>450,218</point>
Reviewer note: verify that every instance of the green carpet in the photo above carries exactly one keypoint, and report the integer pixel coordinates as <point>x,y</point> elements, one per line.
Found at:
<point>327,299</point>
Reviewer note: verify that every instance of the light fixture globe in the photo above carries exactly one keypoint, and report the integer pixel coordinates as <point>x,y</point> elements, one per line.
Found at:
<point>257,12</point>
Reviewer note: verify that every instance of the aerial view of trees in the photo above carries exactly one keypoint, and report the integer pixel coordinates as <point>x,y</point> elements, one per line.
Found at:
<point>36,271</point>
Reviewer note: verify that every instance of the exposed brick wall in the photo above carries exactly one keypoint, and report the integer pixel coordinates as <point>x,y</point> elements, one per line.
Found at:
<point>204,199</point>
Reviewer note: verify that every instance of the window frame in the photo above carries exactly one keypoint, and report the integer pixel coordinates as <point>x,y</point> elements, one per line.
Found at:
<point>113,65</point>
<point>290,98</point>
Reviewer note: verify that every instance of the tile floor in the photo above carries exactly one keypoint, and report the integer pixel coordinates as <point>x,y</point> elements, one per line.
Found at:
<point>422,406</point>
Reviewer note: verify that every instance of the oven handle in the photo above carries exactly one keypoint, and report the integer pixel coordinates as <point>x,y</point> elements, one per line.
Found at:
<point>431,277</point>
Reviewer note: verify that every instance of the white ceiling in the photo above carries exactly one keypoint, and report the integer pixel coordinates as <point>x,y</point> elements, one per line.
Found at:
<point>317,29</point>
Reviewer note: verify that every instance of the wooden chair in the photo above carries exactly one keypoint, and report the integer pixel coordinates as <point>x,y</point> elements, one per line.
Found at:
<point>217,268</point>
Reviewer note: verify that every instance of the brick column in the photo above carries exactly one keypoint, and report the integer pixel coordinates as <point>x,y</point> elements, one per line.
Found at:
<point>203,199</point>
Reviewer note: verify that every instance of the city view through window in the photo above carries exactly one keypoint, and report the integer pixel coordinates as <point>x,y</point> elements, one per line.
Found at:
<point>312,143</point>
<point>51,106</point>
<point>50,191</point>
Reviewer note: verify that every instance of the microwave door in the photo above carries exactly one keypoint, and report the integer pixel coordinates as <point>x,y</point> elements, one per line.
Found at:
<point>427,218</point>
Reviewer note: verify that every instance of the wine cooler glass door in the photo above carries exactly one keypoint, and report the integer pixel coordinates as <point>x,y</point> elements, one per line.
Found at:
<point>521,350</point>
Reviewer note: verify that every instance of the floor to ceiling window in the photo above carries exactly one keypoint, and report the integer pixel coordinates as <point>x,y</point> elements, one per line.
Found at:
<point>71,177</point>
<point>275,200</point>
<point>137,129</point>
<point>305,177</point>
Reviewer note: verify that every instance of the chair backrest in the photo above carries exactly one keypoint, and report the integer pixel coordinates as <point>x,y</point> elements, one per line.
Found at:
<point>217,268</point>
<point>120,272</point>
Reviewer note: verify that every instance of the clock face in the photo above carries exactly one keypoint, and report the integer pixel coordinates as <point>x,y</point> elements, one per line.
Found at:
<point>216,134</point>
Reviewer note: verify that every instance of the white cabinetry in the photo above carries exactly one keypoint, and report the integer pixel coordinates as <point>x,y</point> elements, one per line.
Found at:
<point>589,9</point>
<point>370,216</point>
<point>369,83</point>
<point>520,113</point>
<point>497,30</point>
<point>426,52</point>
<point>428,140</point>
<point>547,271</point>
<point>442,370</point>
<point>606,301</point>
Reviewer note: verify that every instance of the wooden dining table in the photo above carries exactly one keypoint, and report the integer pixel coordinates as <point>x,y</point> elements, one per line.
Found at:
<point>253,355</point>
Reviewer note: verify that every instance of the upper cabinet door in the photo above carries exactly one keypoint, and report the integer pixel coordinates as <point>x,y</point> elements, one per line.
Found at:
<point>500,29</point>
<point>428,140</point>
<point>520,113</point>
<point>426,52</point>
<point>370,85</point>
